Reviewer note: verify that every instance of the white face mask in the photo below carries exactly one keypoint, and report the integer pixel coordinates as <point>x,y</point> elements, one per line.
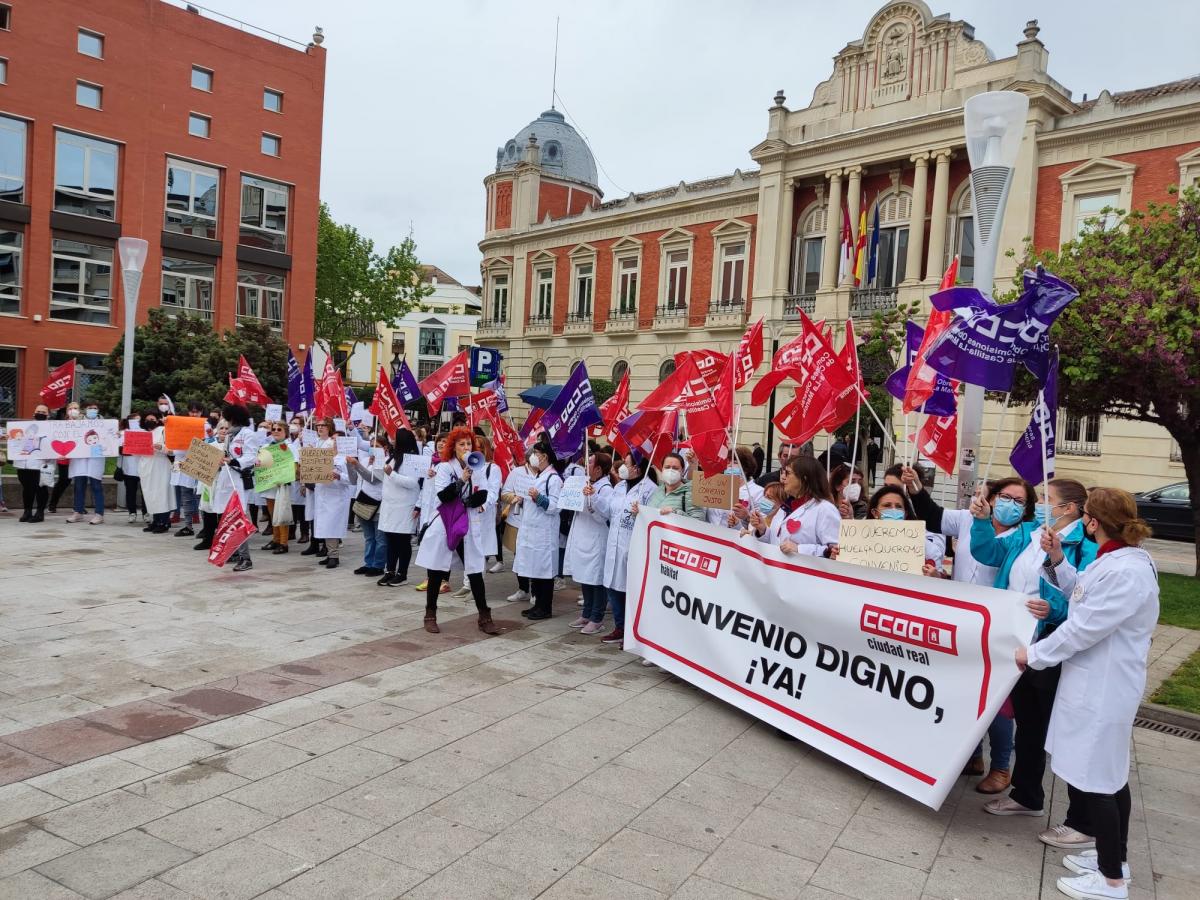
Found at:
<point>852,492</point>
<point>294,429</point>
<point>623,473</point>
<point>672,476</point>
<point>72,414</point>
<point>535,460</point>
<point>162,407</point>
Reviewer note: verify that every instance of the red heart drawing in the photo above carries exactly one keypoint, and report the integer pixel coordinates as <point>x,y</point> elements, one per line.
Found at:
<point>793,526</point>
<point>62,448</point>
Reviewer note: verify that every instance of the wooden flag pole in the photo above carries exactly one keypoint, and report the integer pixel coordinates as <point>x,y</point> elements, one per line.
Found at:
<point>996,437</point>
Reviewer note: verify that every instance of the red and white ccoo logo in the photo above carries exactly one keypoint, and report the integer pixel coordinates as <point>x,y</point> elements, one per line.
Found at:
<point>911,629</point>
<point>692,560</point>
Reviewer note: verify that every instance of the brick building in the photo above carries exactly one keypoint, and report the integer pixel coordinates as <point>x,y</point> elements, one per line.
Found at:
<point>149,119</point>
<point>627,283</point>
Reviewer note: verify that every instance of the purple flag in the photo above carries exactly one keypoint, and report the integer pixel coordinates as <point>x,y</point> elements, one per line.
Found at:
<point>942,402</point>
<point>501,397</point>
<point>405,385</point>
<point>1026,456</point>
<point>450,405</point>
<point>299,383</point>
<point>571,414</point>
<point>351,397</point>
<point>987,339</point>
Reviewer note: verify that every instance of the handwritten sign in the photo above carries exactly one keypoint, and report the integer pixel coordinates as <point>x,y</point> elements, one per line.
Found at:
<point>273,412</point>
<point>138,443</point>
<point>716,491</point>
<point>62,439</point>
<point>415,465</point>
<point>309,438</point>
<point>203,461</point>
<point>347,446</point>
<point>280,470</point>
<point>881,544</point>
<point>571,495</point>
<point>179,431</point>
<point>316,464</point>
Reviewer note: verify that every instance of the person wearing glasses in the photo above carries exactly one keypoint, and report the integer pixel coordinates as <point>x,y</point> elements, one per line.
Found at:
<point>279,502</point>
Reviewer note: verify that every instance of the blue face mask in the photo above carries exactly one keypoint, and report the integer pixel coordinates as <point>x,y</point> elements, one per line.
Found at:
<point>1041,515</point>
<point>92,413</point>
<point>893,515</point>
<point>765,506</point>
<point>1009,512</point>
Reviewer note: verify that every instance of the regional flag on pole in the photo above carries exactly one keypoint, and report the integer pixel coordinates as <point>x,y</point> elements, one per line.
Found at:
<point>873,256</point>
<point>405,384</point>
<point>58,385</point>
<point>860,249</point>
<point>1033,456</point>
<point>385,405</point>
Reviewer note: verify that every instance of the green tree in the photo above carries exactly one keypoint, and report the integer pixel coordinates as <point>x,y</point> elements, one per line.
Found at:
<point>1130,345</point>
<point>602,389</point>
<point>186,359</point>
<point>356,287</point>
<point>880,349</point>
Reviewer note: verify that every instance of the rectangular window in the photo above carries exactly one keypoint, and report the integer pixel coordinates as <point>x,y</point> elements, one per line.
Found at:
<point>432,342</point>
<point>202,79</point>
<point>88,367</point>
<point>1089,212</point>
<point>966,249</point>
<point>677,278</point>
<point>426,367</point>
<point>1077,435</point>
<point>81,281</point>
<point>5,17</point>
<point>627,285</point>
<point>500,298</point>
<point>89,95</point>
<point>90,43</point>
<point>733,271</point>
<point>10,271</point>
<point>270,144</point>
<point>272,100</point>
<point>12,159</point>
<point>198,125</point>
<point>260,298</point>
<point>891,258</point>
<point>264,214</point>
<point>85,176</point>
<point>3,70</point>
<point>192,195</point>
<point>187,288</point>
<point>583,289</point>
<point>545,293</point>
<point>10,358</point>
<point>810,273</point>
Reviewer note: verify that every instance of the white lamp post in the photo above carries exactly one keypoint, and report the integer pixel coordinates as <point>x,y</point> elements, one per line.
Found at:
<point>133,258</point>
<point>995,124</point>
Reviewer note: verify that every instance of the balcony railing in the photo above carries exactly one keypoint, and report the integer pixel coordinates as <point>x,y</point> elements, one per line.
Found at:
<point>579,322</point>
<point>538,325</point>
<point>866,301</point>
<point>620,321</point>
<point>671,317</point>
<point>726,314</point>
<point>793,304</point>
<point>491,327</point>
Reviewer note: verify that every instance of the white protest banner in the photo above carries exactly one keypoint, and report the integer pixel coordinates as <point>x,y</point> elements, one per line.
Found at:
<point>415,465</point>
<point>896,675</point>
<point>309,438</point>
<point>898,546</point>
<point>571,495</point>
<point>273,412</point>
<point>347,446</point>
<point>62,439</point>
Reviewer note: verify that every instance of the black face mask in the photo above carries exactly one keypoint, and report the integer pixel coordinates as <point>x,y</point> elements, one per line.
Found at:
<point>149,424</point>
<point>41,417</point>
<point>213,420</point>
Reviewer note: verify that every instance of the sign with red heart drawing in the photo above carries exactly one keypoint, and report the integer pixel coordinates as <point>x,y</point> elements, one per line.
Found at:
<point>62,439</point>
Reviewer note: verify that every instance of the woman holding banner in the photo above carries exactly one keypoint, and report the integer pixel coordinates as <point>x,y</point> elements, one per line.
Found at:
<point>634,490</point>
<point>586,544</point>
<point>1102,648</point>
<point>331,503</point>
<point>536,557</point>
<point>813,525</point>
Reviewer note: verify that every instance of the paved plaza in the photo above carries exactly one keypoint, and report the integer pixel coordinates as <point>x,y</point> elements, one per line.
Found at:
<point>171,731</point>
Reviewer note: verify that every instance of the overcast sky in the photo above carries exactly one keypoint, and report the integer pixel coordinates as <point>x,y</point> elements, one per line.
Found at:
<point>420,94</point>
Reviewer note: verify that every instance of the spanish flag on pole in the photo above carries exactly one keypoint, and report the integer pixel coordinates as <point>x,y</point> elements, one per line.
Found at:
<point>860,249</point>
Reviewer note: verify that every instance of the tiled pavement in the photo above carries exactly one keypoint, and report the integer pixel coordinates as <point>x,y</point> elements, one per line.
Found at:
<point>538,763</point>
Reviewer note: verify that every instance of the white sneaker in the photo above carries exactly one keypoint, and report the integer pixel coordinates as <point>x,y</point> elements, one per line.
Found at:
<point>96,520</point>
<point>1088,861</point>
<point>647,663</point>
<point>560,584</point>
<point>1006,806</point>
<point>517,597</point>
<point>496,568</point>
<point>75,517</point>
<point>1092,886</point>
<point>464,591</point>
<point>1066,838</point>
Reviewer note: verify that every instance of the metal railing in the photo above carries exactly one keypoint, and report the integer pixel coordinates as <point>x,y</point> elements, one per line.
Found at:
<point>579,316</point>
<point>238,24</point>
<point>671,311</point>
<point>793,304</point>
<point>865,301</point>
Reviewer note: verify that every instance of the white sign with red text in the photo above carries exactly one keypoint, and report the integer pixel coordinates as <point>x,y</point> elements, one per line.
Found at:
<point>896,675</point>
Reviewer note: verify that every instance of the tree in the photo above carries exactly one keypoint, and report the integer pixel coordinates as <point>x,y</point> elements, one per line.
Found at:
<point>186,359</point>
<point>602,389</point>
<point>879,353</point>
<point>1130,345</point>
<point>356,287</point>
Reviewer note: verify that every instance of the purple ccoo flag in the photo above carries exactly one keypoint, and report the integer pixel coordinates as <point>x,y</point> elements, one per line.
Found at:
<point>1027,456</point>
<point>571,414</point>
<point>300,386</point>
<point>942,402</point>
<point>405,385</point>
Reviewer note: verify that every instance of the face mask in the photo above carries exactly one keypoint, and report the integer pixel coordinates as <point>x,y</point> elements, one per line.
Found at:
<point>150,423</point>
<point>1009,512</point>
<point>852,492</point>
<point>294,429</point>
<point>672,476</point>
<point>765,506</point>
<point>535,460</point>
<point>72,414</point>
<point>213,420</point>
<point>41,416</point>
<point>162,408</point>
<point>892,515</point>
<point>1041,514</point>
<point>623,473</point>
<point>93,413</point>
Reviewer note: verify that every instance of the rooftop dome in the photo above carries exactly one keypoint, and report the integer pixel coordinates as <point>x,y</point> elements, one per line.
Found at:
<point>563,152</point>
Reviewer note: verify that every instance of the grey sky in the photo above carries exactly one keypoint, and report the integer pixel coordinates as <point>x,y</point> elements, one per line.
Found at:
<point>420,94</point>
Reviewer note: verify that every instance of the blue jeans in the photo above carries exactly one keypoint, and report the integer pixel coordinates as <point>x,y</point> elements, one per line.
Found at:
<point>1000,737</point>
<point>595,599</point>
<point>616,600</point>
<point>187,502</point>
<point>81,486</point>
<point>374,544</point>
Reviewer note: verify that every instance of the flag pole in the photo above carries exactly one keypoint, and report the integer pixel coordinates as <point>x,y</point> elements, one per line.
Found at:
<point>874,415</point>
<point>854,451</point>
<point>1045,461</point>
<point>996,436</point>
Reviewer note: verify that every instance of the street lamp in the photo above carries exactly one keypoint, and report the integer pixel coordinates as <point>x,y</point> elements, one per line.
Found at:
<point>995,124</point>
<point>133,259</point>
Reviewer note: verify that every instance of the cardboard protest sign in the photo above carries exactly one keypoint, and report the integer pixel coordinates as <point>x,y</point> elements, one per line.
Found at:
<point>281,470</point>
<point>896,675</point>
<point>716,491</point>
<point>898,546</point>
<point>203,461</point>
<point>571,495</point>
<point>62,439</point>
<point>138,443</point>
<point>316,464</point>
<point>178,431</point>
<point>347,446</point>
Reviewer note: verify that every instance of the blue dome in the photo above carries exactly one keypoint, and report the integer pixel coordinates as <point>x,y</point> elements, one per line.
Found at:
<point>563,152</point>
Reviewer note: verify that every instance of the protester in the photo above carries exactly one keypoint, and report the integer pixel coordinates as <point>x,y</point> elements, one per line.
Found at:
<point>846,485</point>
<point>155,472</point>
<point>296,489</point>
<point>586,545</point>
<point>811,527</point>
<point>634,489</point>
<point>513,501</point>
<point>760,458</point>
<point>209,517</point>
<point>63,480</point>
<point>324,429</point>
<point>88,472</point>
<point>536,557</point>
<point>749,495</point>
<point>366,505</point>
<point>788,450</point>
<point>483,520</point>
<point>131,466</point>
<point>237,467</point>
<point>1104,642</point>
<point>279,500</point>
<point>34,494</point>
<point>186,498</point>
<point>398,513</point>
<point>674,493</point>
<point>331,503</point>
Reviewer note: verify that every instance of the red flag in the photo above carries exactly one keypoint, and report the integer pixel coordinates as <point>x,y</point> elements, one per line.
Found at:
<point>331,394</point>
<point>387,407</point>
<point>938,440</point>
<point>254,388</point>
<point>809,359</point>
<point>921,378</point>
<point>448,381</point>
<point>482,406</point>
<point>238,392</point>
<point>850,396</point>
<point>502,457</point>
<point>712,451</point>
<point>709,363</point>
<point>748,356</point>
<point>58,385</point>
<point>232,531</point>
<point>684,390</point>
<point>614,410</point>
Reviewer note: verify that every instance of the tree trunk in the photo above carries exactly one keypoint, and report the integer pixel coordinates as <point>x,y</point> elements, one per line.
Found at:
<point>1190,453</point>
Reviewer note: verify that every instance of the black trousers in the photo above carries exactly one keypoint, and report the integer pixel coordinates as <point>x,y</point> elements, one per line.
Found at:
<point>33,495</point>
<point>500,523</point>
<point>399,553</point>
<point>60,486</point>
<point>543,594</point>
<point>433,587</point>
<point>1033,699</point>
<point>298,519</point>
<point>132,484</point>
<point>210,520</point>
<point>1109,818</point>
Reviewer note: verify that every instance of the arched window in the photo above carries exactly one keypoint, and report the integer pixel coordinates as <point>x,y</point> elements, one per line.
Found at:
<point>895,210</point>
<point>962,235</point>
<point>537,375</point>
<point>667,369</point>
<point>575,365</point>
<point>620,367</point>
<point>808,250</point>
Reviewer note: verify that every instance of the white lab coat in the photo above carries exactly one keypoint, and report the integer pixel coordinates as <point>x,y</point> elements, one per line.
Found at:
<point>434,553</point>
<point>588,539</point>
<point>518,482</point>
<point>400,497</point>
<point>483,520</point>
<point>229,480</point>
<point>956,523</point>
<point>820,525</point>
<point>621,519</point>
<point>537,540</point>
<point>1103,647</point>
<point>156,478</point>
<point>429,500</point>
<point>331,503</point>
<point>90,466</point>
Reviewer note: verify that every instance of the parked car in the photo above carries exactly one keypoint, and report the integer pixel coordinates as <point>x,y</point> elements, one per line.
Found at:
<point>1168,509</point>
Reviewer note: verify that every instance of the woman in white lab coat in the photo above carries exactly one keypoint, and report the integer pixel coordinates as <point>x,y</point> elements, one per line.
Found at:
<point>634,489</point>
<point>586,545</point>
<point>238,465</point>
<point>331,502</point>
<point>398,513</point>
<point>811,527</point>
<point>155,471</point>
<point>537,540</point>
<point>454,481</point>
<point>748,495</point>
<point>483,518</point>
<point>1102,646</point>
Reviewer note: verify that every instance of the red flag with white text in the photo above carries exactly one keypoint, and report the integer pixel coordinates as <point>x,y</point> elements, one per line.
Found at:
<point>748,356</point>
<point>232,531</point>
<point>614,410</point>
<point>938,441</point>
<point>684,390</point>
<point>851,395</point>
<point>709,363</point>
<point>922,379</point>
<point>386,406</point>
<point>58,385</point>
<point>450,380</point>
<point>255,392</point>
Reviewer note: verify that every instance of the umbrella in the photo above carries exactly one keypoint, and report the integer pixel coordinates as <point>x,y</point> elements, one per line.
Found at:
<point>542,395</point>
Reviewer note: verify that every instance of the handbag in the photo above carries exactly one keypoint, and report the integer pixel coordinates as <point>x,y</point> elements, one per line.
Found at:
<point>48,475</point>
<point>366,508</point>
<point>118,473</point>
<point>455,520</point>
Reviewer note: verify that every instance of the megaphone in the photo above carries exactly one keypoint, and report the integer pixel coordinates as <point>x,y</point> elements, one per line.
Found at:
<point>475,459</point>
